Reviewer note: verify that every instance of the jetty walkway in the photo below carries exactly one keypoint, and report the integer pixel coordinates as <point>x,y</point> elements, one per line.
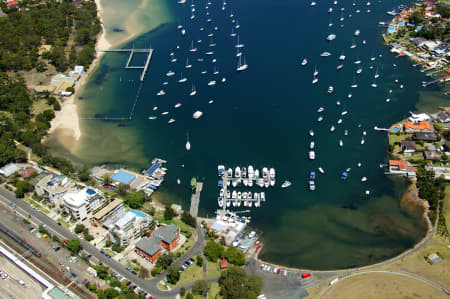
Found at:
<point>195,199</point>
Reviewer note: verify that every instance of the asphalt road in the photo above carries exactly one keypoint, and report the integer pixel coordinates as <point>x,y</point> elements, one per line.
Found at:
<point>150,286</point>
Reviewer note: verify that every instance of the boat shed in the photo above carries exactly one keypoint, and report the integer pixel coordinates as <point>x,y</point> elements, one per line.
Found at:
<point>152,169</point>
<point>123,177</point>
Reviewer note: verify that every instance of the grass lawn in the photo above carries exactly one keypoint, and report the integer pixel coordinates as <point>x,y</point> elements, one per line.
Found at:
<point>40,106</point>
<point>110,252</point>
<point>63,223</point>
<point>34,203</point>
<point>162,287</point>
<point>447,206</point>
<point>381,285</point>
<point>394,138</point>
<point>212,293</point>
<point>212,269</point>
<point>191,274</point>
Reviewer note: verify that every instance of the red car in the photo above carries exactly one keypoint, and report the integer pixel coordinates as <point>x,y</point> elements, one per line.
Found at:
<point>278,271</point>
<point>258,248</point>
<point>305,275</point>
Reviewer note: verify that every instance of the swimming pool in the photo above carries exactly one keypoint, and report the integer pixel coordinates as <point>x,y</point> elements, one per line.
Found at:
<point>395,130</point>
<point>138,214</point>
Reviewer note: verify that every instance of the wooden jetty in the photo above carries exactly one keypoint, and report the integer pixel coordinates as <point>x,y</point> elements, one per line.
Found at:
<point>132,51</point>
<point>195,199</point>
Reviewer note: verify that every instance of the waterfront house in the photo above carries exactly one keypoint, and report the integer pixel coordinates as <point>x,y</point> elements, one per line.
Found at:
<point>442,117</point>
<point>423,126</point>
<point>408,146</point>
<point>425,136</point>
<point>12,4</point>
<point>401,167</point>
<point>53,187</point>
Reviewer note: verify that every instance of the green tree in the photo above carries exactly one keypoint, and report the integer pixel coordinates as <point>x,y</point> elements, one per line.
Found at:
<point>235,256</point>
<point>23,187</point>
<point>182,291</point>
<point>189,296</point>
<point>213,251</point>
<point>169,213</point>
<point>84,174</point>
<point>135,200</point>
<point>199,261</point>
<point>143,273</point>
<point>173,275</point>
<point>107,179</point>
<point>73,245</point>
<point>165,260</point>
<point>79,228</point>
<point>235,283</point>
<point>102,271</point>
<point>187,218</point>
<point>122,189</point>
<point>201,287</point>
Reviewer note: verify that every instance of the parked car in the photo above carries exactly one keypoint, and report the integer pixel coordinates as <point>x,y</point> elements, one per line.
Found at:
<point>191,261</point>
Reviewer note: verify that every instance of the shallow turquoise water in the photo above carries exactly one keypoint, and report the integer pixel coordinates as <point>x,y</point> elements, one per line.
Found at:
<point>262,117</point>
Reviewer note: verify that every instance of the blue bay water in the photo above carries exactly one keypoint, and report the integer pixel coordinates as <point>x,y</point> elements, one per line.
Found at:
<point>262,117</point>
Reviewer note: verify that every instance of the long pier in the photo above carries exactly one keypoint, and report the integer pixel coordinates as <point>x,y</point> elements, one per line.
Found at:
<point>195,199</point>
<point>132,51</point>
<point>445,79</point>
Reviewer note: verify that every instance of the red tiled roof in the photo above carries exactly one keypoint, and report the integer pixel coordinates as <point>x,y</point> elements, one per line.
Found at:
<point>223,264</point>
<point>402,164</point>
<point>11,3</point>
<point>423,125</point>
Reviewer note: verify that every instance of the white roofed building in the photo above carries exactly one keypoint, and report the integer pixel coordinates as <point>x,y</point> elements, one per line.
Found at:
<point>81,203</point>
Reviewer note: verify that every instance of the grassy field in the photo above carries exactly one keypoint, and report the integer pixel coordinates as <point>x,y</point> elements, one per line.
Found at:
<point>381,285</point>
<point>212,269</point>
<point>212,293</point>
<point>393,138</point>
<point>191,274</point>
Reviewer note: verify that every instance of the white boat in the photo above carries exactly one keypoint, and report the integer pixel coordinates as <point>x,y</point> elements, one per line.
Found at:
<point>353,44</point>
<point>188,65</point>
<point>304,62</point>
<point>164,113</point>
<point>349,96</point>
<point>286,184</point>
<point>312,155</point>
<point>265,173</point>
<point>161,92</point>
<point>262,195</point>
<point>234,194</point>
<point>330,89</point>
<point>339,121</point>
<point>363,141</point>
<point>212,83</point>
<point>311,145</point>
<point>209,53</point>
<point>342,57</point>
<point>363,179</point>
<point>357,61</point>
<point>332,129</point>
<point>251,172</point>
<point>192,48</point>
<point>344,112</point>
<point>359,71</point>
<point>359,164</point>
<point>330,10</point>
<point>364,133</point>
<point>237,172</point>
<point>316,72</point>
<point>272,173</point>
<point>325,54</point>
<point>373,85</point>
<point>155,108</point>
<point>313,3</point>
<point>256,173</point>
<point>239,45</point>
<point>320,118</point>
<point>232,32</point>
<point>193,91</point>
<point>230,172</point>
<point>188,144</point>
<point>241,67</point>
<point>170,73</point>
<point>197,114</point>
<point>321,109</point>
<point>152,117</point>
<point>223,80</point>
<point>357,32</point>
<point>182,79</point>
<point>341,143</point>
<point>331,37</point>
<point>215,72</point>
<point>178,105</point>
<point>183,32</point>
<point>312,185</point>
<point>345,132</point>
<point>311,133</point>
<point>171,121</point>
<point>321,170</point>
<point>339,67</point>
<point>376,74</point>
<point>315,80</point>
<point>239,195</point>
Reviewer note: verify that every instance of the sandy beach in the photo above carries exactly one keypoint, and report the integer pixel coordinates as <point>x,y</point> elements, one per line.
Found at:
<point>66,124</point>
